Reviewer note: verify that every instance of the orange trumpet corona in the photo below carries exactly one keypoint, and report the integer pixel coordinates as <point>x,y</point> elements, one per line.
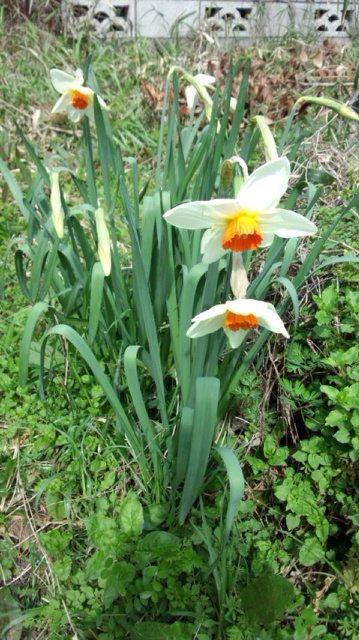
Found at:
<point>235,321</point>
<point>79,100</point>
<point>242,232</point>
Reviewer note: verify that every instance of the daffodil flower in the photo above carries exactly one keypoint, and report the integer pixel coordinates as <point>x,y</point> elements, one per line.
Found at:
<point>76,100</point>
<point>249,220</point>
<point>236,317</point>
<point>198,85</point>
<point>200,81</point>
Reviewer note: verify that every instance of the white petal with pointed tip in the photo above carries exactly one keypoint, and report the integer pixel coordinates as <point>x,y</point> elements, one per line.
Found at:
<point>211,246</point>
<point>291,224</point>
<point>102,102</point>
<point>205,79</point>
<point>207,322</point>
<point>235,337</point>
<point>267,240</point>
<point>62,104</point>
<point>190,93</point>
<point>270,319</point>
<point>63,81</point>
<point>265,186</point>
<point>202,214</point>
<point>89,111</point>
<point>74,114</point>
<point>79,76</point>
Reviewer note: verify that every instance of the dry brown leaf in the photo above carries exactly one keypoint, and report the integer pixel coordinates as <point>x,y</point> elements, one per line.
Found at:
<point>19,528</point>
<point>318,60</point>
<point>340,69</point>
<point>153,94</point>
<point>303,56</point>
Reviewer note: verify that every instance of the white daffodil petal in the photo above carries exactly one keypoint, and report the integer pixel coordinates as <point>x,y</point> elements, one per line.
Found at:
<point>207,322</point>
<point>79,76</point>
<point>265,186</point>
<point>102,102</point>
<point>74,114</point>
<point>211,246</point>
<point>62,104</point>
<point>233,104</point>
<point>244,306</point>
<point>89,111</point>
<point>190,93</point>
<point>201,214</point>
<point>63,81</point>
<point>267,240</point>
<point>205,79</point>
<point>235,337</point>
<point>269,319</point>
<point>290,224</point>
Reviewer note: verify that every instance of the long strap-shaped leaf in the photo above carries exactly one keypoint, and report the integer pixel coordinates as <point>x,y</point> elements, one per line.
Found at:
<point>183,437</point>
<point>15,189</point>
<point>37,310</point>
<point>79,343</point>
<point>130,366</point>
<point>204,424</point>
<point>236,484</point>
<point>144,304</point>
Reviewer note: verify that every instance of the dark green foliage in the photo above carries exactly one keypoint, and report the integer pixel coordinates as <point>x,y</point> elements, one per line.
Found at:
<point>266,598</point>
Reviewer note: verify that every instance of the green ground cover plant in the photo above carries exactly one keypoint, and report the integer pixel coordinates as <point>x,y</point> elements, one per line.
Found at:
<point>132,532</point>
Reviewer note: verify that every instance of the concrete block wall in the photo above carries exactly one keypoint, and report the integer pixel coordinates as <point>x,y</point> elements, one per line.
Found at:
<point>240,19</point>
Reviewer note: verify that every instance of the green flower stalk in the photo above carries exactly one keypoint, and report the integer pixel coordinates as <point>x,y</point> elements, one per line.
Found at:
<point>239,279</point>
<point>104,244</point>
<point>56,205</point>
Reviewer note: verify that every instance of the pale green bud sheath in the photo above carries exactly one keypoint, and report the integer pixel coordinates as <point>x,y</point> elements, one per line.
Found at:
<point>337,106</point>
<point>270,147</point>
<point>226,174</point>
<point>57,212</point>
<point>104,243</point>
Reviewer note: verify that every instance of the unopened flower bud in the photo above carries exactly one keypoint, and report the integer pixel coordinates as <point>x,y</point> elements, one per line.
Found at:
<point>56,205</point>
<point>104,244</point>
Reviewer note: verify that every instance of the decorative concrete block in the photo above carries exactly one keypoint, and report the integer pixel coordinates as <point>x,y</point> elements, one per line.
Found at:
<point>241,19</point>
<point>103,17</point>
<point>325,18</point>
<point>246,19</point>
<point>164,18</point>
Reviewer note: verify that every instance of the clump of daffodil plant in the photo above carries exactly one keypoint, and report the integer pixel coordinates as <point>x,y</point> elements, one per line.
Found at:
<point>164,325</point>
